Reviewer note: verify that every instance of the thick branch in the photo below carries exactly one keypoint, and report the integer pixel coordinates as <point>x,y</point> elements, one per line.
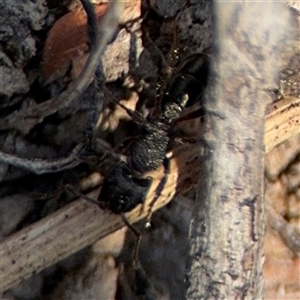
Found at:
<point>227,227</point>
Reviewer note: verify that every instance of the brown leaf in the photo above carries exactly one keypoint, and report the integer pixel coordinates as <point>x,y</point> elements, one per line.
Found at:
<point>67,40</point>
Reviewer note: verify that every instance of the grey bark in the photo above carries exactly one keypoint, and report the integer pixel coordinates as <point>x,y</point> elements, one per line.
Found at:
<point>227,227</point>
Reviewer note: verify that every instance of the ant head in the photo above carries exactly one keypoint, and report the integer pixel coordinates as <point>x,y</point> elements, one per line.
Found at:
<point>122,192</point>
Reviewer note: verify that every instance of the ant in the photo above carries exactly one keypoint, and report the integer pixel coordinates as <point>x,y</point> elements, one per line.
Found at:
<point>126,187</point>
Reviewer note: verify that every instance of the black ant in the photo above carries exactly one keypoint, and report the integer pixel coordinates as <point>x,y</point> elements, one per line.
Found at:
<point>125,187</point>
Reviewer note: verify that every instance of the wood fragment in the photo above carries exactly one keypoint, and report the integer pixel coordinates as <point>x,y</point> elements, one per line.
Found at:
<point>282,122</point>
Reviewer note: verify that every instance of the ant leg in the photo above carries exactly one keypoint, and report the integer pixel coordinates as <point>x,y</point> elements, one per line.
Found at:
<point>173,54</point>
<point>199,113</point>
<point>71,189</point>
<point>136,261</point>
<point>47,196</point>
<point>136,116</point>
<point>104,151</point>
<point>158,191</point>
<point>180,135</point>
<point>143,285</point>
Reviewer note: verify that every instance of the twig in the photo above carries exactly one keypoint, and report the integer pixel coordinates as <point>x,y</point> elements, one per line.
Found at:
<point>24,121</point>
<point>288,233</point>
<point>44,166</point>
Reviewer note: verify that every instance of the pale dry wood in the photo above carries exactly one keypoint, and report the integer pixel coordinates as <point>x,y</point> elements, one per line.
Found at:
<point>282,122</point>
<point>82,223</point>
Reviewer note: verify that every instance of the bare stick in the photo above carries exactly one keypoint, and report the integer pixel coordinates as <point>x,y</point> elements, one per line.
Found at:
<point>44,166</point>
<point>288,233</point>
